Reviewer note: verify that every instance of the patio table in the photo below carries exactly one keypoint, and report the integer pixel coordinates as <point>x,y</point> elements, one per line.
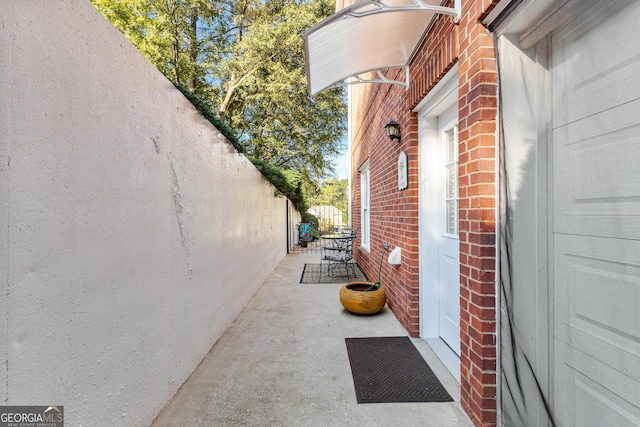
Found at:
<point>339,240</point>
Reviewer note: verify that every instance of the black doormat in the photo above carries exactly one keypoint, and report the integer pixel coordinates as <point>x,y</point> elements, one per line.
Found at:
<point>313,274</point>
<point>391,370</point>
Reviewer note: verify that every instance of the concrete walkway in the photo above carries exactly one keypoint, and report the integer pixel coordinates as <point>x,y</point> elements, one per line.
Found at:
<point>283,362</point>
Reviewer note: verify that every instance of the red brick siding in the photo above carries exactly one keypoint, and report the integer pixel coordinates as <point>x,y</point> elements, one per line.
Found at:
<point>477,165</point>
<point>394,213</point>
<point>437,55</point>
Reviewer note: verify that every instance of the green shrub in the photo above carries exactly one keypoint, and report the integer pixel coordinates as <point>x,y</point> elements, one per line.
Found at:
<point>325,225</point>
<point>213,118</point>
<point>287,183</point>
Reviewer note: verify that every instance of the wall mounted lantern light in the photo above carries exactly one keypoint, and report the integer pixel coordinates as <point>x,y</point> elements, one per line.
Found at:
<point>393,130</point>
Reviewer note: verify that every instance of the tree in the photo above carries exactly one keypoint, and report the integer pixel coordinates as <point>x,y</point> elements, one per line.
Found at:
<point>174,35</point>
<point>287,128</point>
<point>245,59</point>
<point>334,192</point>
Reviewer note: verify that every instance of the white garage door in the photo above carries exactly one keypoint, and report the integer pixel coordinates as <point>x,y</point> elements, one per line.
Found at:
<point>595,245</point>
<point>570,214</point>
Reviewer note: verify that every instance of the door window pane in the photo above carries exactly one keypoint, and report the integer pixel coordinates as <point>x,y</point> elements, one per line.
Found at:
<point>451,190</point>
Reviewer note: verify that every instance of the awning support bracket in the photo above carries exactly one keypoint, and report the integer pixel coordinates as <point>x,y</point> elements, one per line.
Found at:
<point>380,78</point>
<point>377,6</point>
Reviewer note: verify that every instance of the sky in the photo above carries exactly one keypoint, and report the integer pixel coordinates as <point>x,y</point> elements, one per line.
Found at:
<point>342,165</point>
<point>342,161</point>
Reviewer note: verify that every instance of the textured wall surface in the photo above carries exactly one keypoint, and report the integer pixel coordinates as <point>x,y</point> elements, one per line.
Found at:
<point>131,234</point>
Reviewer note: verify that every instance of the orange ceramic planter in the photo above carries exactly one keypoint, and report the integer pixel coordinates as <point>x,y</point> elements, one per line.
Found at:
<point>354,299</point>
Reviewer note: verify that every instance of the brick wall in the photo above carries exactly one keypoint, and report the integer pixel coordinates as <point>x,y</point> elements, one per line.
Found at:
<point>477,165</point>
<point>437,55</point>
<point>394,213</point>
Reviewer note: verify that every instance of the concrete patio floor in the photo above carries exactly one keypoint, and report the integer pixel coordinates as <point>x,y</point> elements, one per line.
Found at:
<point>283,362</point>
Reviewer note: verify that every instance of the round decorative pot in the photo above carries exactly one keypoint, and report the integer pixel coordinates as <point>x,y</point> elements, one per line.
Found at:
<point>354,298</point>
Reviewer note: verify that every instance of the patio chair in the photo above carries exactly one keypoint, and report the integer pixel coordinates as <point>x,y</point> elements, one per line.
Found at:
<point>354,232</point>
<point>338,255</point>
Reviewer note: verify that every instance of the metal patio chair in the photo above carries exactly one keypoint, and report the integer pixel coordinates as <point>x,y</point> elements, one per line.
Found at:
<point>339,255</point>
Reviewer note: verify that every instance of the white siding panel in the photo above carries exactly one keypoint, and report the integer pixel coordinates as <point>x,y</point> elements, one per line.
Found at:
<point>597,334</point>
<point>596,221</point>
<point>596,173</point>
<point>596,64</point>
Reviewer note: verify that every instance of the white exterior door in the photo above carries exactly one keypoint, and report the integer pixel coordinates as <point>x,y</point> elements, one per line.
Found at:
<point>446,205</point>
<point>439,242</point>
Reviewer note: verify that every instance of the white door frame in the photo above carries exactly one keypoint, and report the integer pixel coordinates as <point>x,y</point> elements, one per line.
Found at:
<point>442,97</point>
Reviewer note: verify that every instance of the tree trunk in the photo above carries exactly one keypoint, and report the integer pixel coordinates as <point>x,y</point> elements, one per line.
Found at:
<point>193,47</point>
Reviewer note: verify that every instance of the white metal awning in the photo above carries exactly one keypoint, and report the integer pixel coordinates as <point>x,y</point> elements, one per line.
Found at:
<point>370,35</point>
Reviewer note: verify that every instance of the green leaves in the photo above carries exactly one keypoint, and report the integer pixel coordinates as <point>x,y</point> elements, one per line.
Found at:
<point>333,192</point>
<point>288,183</point>
<point>244,59</point>
<point>278,122</point>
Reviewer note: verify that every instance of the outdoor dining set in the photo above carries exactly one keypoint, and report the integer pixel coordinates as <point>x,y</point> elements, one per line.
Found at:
<point>339,251</point>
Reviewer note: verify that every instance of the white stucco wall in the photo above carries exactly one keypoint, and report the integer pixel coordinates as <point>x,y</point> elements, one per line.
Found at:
<point>131,234</point>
